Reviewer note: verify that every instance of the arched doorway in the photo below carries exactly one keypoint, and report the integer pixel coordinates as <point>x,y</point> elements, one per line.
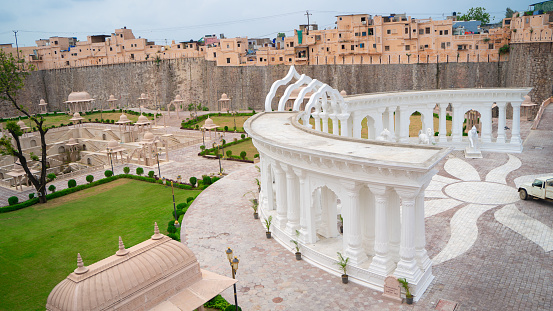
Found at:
<point>325,207</point>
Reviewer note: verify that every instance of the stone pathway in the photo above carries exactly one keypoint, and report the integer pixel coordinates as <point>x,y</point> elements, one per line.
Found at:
<point>491,250</point>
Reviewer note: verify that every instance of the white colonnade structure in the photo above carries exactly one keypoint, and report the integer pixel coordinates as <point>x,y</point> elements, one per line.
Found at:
<point>380,187</point>
<point>392,111</point>
<point>313,176</point>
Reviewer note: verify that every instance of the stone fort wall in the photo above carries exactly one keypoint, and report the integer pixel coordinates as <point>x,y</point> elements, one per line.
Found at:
<point>201,81</point>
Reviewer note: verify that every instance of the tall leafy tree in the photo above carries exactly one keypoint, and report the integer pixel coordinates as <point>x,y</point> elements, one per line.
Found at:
<point>477,13</point>
<point>12,79</point>
<point>509,13</point>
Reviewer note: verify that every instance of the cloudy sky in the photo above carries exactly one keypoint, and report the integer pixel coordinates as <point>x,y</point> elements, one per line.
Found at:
<point>161,20</point>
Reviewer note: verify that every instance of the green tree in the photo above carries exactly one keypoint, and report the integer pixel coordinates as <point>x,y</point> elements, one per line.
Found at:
<point>478,14</point>
<point>509,13</point>
<point>139,171</point>
<point>12,79</point>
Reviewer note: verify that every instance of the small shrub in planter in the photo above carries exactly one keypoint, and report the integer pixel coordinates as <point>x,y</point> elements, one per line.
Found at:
<point>193,181</point>
<point>226,128</point>
<point>229,153</point>
<point>151,174</point>
<point>31,195</point>
<point>13,200</point>
<point>243,136</point>
<point>126,170</point>
<point>243,155</point>
<point>139,171</point>
<point>108,173</point>
<point>90,178</point>
<point>51,176</point>
<point>52,188</point>
<point>72,183</point>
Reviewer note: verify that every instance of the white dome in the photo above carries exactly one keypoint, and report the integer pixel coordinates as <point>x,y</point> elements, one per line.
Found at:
<point>76,115</point>
<point>123,118</point>
<point>208,122</point>
<point>21,123</point>
<point>142,119</point>
<point>148,136</point>
<point>112,98</point>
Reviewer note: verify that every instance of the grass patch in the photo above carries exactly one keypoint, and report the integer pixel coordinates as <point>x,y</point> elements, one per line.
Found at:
<point>39,244</point>
<point>244,146</point>
<point>60,118</point>
<point>223,121</point>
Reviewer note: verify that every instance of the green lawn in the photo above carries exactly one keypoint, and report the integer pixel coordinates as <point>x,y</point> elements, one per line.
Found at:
<point>39,244</point>
<point>245,146</point>
<point>227,120</point>
<point>64,118</point>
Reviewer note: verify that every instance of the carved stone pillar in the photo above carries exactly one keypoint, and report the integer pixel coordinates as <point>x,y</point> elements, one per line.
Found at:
<point>515,133</point>
<point>407,266</point>
<point>281,201</point>
<point>442,137</point>
<point>352,223</point>
<point>421,255</point>
<point>486,120</point>
<point>457,124</point>
<point>292,195</point>
<point>382,262</point>
<point>307,216</point>
<point>501,122</point>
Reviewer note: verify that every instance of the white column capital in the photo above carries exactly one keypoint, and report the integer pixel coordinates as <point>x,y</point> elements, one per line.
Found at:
<point>299,172</point>
<point>379,190</point>
<point>407,193</point>
<point>501,104</point>
<point>350,186</point>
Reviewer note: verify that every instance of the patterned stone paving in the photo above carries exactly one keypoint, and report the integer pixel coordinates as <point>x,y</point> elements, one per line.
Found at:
<point>506,267</point>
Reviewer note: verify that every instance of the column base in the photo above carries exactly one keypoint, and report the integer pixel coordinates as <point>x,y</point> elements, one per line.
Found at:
<point>500,139</point>
<point>281,222</point>
<point>408,270</point>
<point>356,256</point>
<point>291,228</point>
<point>382,265</point>
<point>515,141</point>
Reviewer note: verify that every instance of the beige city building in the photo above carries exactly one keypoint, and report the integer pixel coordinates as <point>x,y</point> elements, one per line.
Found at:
<point>356,39</point>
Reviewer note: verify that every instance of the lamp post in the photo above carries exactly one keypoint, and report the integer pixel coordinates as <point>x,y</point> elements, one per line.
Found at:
<point>158,169</point>
<point>110,159</point>
<point>234,266</point>
<point>174,207</point>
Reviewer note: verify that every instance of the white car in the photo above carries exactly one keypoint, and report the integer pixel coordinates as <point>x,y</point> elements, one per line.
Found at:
<point>541,188</point>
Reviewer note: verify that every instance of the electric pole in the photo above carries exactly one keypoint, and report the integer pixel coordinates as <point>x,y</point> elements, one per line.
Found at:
<point>16,45</point>
<point>307,13</point>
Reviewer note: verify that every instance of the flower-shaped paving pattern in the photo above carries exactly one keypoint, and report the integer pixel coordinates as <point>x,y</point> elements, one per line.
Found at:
<point>481,196</point>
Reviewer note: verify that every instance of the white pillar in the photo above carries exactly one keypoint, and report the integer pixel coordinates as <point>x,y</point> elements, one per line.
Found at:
<point>421,255</point>
<point>382,262</point>
<point>352,223</point>
<point>335,126</point>
<point>515,131</point>
<point>407,266</point>
<point>397,122</point>
<point>403,126</point>
<point>344,128</point>
<point>280,183</point>
<point>329,213</point>
<point>324,117</point>
<point>394,225</point>
<point>443,122</point>
<point>317,121</point>
<point>486,121</point>
<point>429,121</point>
<point>391,125</point>
<point>357,126</point>
<point>267,183</point>
<point>366,204</point>
<point>457,124</point>
<point>307,215</point>
<point>501,123</point>
<point>292,203</point>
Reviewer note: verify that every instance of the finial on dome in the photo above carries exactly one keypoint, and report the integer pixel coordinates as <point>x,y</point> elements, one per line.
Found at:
<point>122,251</point>
<point>80,265</point>
<point>156,235</point>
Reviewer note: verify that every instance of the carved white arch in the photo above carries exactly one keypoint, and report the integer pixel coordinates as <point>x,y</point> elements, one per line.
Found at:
<point>312,86</point>
<point>292,73</point>
<point>301,81</point>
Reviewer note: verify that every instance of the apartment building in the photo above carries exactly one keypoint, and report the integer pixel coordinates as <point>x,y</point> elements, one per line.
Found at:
<point>355,39</point>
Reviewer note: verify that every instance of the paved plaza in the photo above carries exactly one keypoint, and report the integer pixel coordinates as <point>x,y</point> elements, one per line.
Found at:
<point>491,251</point>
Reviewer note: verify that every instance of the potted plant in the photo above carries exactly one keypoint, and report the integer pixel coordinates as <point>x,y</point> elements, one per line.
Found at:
<point>258,184</point>
<point>343,264</point>
<point>408,296</point>
<point>255,204</point>
<point>341,223</point>
<point>268,226</point>
<point>297,245</point>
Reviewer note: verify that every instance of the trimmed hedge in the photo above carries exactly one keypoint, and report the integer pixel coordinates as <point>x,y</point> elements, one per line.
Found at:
<point>213,151</point>
<point>13,200</point>
<point>191,124</point>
